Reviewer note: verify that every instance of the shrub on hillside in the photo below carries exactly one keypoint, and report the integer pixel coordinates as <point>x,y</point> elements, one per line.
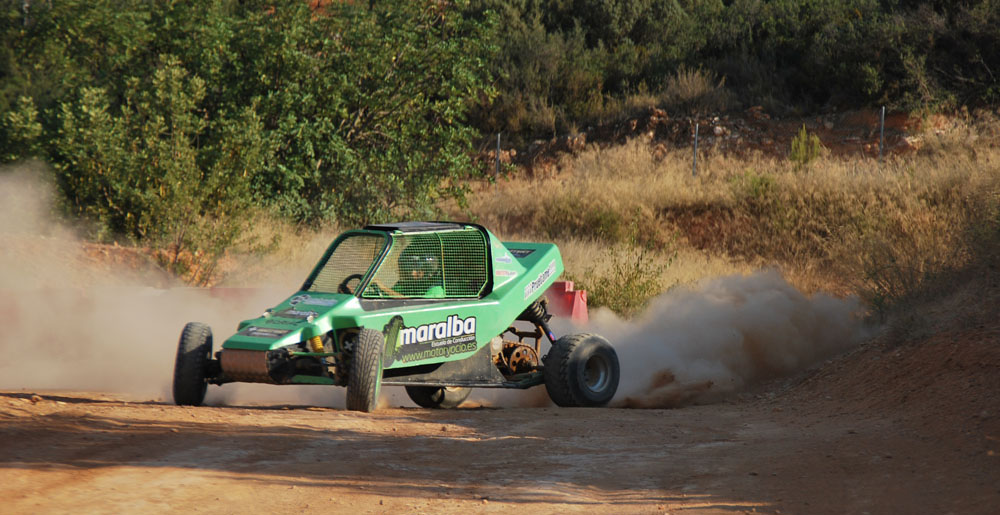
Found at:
<point>575,63</point>
<point>878,230</point>
<point>628,281</point>
<point>163,119</point>
<point>696,89</point>
<point>142,172</point>
<point>805,147</point>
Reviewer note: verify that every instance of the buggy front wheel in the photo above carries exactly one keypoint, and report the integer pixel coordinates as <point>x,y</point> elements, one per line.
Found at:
<point>365,379</point>
<point>194,351</point>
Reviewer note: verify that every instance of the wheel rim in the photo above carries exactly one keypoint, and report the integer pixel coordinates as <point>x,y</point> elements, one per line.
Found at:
<point>596,374</point>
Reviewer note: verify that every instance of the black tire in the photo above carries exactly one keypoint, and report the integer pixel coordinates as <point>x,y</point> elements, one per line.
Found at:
<point>365,378</point>
<point>438,397</point>
<point>581,370</point>
<point>194,352</point>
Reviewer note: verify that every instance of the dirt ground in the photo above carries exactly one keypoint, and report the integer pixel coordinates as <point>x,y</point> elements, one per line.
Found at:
<point>906,423</point>
<point>890,428</point>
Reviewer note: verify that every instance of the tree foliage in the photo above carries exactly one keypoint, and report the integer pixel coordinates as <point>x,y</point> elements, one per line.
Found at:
<point>571,63</point>
<point>168,122</point>
<point>172,122</point>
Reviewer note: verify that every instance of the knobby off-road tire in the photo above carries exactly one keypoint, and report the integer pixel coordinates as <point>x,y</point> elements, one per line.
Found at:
<point>365,378</point>
<point>438,397</point>
<point>581,370</point>
<point>194,351</point>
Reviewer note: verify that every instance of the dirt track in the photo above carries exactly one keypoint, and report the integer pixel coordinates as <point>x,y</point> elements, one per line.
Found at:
<point>82,452</point>
<point>906,424</point>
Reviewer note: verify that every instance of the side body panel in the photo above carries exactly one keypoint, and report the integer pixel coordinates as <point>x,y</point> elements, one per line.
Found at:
<point>417,332</point>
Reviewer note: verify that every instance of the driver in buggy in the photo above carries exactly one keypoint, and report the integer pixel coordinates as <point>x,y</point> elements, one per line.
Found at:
<point>419,274</point>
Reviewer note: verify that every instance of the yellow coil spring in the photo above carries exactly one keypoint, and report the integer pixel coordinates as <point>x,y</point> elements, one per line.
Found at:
<point>315,344</point>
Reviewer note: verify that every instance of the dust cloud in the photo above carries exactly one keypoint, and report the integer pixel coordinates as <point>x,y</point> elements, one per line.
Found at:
<point>73,319</point>
<point>706,342</point>
<point>70,320</point>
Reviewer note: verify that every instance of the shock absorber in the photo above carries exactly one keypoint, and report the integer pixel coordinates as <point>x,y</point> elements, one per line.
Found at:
<point>315,344</point>
<point>537,313</point>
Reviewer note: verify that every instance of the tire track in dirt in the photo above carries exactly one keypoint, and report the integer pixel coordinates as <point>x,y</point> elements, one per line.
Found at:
<point>95,453</point>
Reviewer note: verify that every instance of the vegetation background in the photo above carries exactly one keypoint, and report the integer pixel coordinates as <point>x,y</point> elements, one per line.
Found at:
<point>200,130</point>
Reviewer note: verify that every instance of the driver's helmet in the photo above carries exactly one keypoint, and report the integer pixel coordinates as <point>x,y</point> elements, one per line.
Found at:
<point>420,256</point>
<point>427,264</point>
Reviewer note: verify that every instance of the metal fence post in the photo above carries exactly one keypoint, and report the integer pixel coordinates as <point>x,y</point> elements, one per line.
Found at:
<point>881,134</point>
<point>496,173</point>
<point>694,159</point>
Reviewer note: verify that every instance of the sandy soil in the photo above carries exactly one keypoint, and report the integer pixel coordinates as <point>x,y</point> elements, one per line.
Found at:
<point>906,423</point>
<point>820,443</point>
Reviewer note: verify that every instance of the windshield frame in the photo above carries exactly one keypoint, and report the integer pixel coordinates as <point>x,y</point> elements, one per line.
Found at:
<point>372,268</point>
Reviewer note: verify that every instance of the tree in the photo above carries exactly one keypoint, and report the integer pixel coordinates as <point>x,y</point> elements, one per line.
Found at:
<point>152,170</point>
<point>167,121</point>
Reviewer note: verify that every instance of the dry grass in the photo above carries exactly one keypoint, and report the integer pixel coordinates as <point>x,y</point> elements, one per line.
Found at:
<point>697,89</point>
<point>284,256</point>
<point>631,220</point>
<point>840,225</point>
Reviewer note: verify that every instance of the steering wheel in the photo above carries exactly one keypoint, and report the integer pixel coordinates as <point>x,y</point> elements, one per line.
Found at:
<point>345,287</point>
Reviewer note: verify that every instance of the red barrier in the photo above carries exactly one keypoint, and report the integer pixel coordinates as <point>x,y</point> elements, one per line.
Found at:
<point>564,301</point>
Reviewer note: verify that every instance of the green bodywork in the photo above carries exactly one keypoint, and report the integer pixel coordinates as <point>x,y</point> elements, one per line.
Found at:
<point>437,328</point>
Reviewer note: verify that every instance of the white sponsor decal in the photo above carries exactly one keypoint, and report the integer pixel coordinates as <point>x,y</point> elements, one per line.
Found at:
<point>312,301</point>
<point>296,313</point>
<point>264,332</point>
<point>546,274</point>
<point>506,273</point>
<point>450,328</point>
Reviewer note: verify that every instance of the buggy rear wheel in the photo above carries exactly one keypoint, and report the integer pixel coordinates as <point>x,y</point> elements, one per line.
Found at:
<point>438,397</point>
<point>365,378</point>
<point>581,370</point>
<point>194,352</point>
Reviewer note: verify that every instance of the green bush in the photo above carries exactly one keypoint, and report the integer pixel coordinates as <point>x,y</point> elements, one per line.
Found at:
<point>565,64</point>
<point>142,172</point>
<point>22,130</point>
<point>164,120</point>
<point>805,147</point>
<point>632,278</point>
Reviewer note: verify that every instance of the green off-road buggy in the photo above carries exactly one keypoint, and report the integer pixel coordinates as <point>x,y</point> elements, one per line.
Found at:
<point>436,307</point>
